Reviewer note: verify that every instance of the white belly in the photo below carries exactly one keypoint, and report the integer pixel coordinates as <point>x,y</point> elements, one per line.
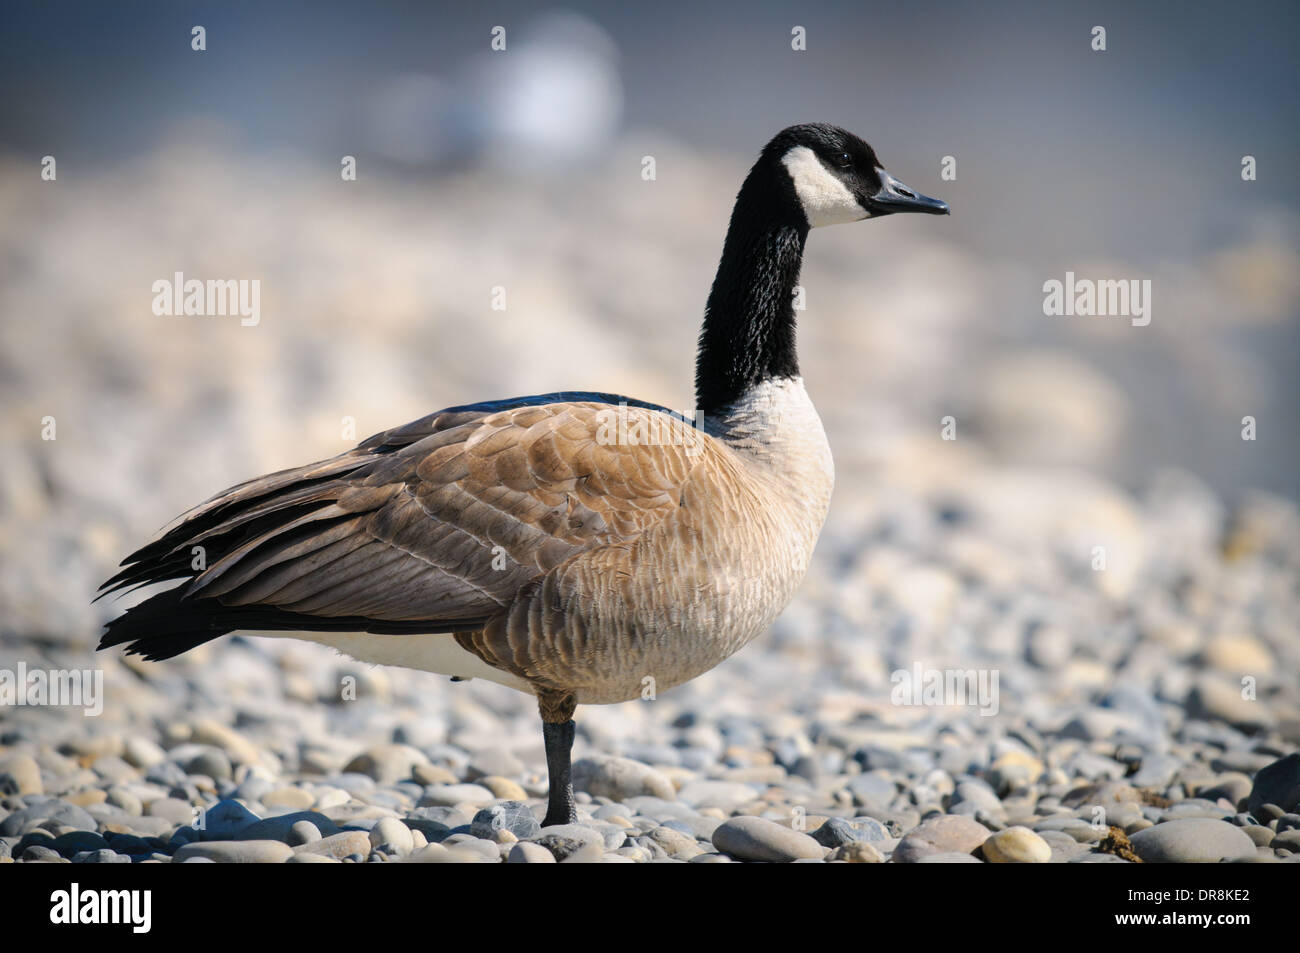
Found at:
<point>439,654</point>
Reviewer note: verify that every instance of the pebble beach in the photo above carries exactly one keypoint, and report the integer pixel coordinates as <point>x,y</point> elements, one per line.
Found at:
<point>1119,733</point>
<point>1127,650</point>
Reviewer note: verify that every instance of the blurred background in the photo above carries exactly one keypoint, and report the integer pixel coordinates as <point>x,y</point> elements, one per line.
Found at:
<point>522,170</point>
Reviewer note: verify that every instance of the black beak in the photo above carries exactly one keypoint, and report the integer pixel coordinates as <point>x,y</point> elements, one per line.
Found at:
<point>894,196</point>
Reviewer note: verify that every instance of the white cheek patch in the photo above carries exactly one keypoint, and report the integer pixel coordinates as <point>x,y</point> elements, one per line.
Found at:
<point>826,200</point>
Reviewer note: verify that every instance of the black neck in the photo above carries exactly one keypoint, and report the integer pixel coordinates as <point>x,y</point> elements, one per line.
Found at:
<point>748,334</point>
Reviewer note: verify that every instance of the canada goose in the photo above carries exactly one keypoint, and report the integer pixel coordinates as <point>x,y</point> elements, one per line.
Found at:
<point>543,542</point>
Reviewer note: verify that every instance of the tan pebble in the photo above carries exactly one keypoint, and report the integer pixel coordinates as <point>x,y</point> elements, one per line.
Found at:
<point>1015,768</point>
<point>1238,654</point>
<point>331,797</point>
<point>504,836</point>
<point>748,756</point>
<point>678,775</point>
<point>675,842</point>
<point>448,855</point>
<point>338,845</point>
<point>293,798</point>
<point>526,852</point>
<point>299,688</point>
<point>432,774</point>
<point>757,774</point>
<point>25,771</point>
<point>239,748</point>
<point>503,788</point>
<point>87,749</point>
<point>1016,845</point>
<point>859,852</point>
<point>87,797</point>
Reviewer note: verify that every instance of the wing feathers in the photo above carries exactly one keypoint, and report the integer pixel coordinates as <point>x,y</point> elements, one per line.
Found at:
<point>440,521</point>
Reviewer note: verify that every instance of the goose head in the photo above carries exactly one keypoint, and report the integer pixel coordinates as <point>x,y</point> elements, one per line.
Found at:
<point>831,177</point>
<point>806,176</point>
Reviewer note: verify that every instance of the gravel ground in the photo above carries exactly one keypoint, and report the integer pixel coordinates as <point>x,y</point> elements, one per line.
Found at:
<point>1142,712</point>
<point>1139,648</point>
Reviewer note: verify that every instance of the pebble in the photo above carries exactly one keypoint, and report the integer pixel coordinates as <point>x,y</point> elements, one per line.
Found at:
<point>302,832</point>
<point>1288,841</point>
<point>943,834</point>
<point>503,789</point>
<point>528,853</point>
<point>280,826</point>
<point>1157,771</point>
<point>1277,783</point>
<point>112,768</point>
<point>620,778</point>
<point>1014,769</point>
<point>971,796</point>
<point>488,850</point>
<point>174,811</point>
<point>426,774</point>
<point>101,856</point>
<point>1261,835</point>
<point>675,843</point>
<point>386,764</point>
<point>1192,841</point>
<point>43,813</point>
<point>213,763</point>
<point>20,774</point>
<point>225,819</point>
<point>837,832</point>
<point>233,744</point>
<point>1016,845</point>
<point>1216,698</point>
<point>338,846</point>
<point>1238,655</point>
<point>858,852</point>
<point>142,753</point>
<point>1064,848</point>
<point>492,761</point>
<point>1082,831</point>
<point>294,799</point>
<point>74,842</point>
<point>37,854</point>
<point>563,840</point>
<point>392,835</point>
<point>1232,786</point>
<point>947,857</point>
<point>450,795</point>
<point>235,852</point>
<point>756,839</point>
<point>124,798</point>
<point>724,795</point>
<point>512,816</point>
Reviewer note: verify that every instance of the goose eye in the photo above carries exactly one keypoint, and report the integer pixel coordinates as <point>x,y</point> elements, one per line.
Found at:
<point>844,160</point>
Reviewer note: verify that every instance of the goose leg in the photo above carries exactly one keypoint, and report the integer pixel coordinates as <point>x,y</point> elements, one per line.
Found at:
<point>558,729</point>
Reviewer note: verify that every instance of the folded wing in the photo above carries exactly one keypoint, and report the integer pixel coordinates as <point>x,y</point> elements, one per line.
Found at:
<point>434,526</point>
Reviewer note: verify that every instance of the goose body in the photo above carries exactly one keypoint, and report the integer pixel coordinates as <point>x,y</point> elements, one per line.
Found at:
<point>580,547</point>
<point>646,575</point>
